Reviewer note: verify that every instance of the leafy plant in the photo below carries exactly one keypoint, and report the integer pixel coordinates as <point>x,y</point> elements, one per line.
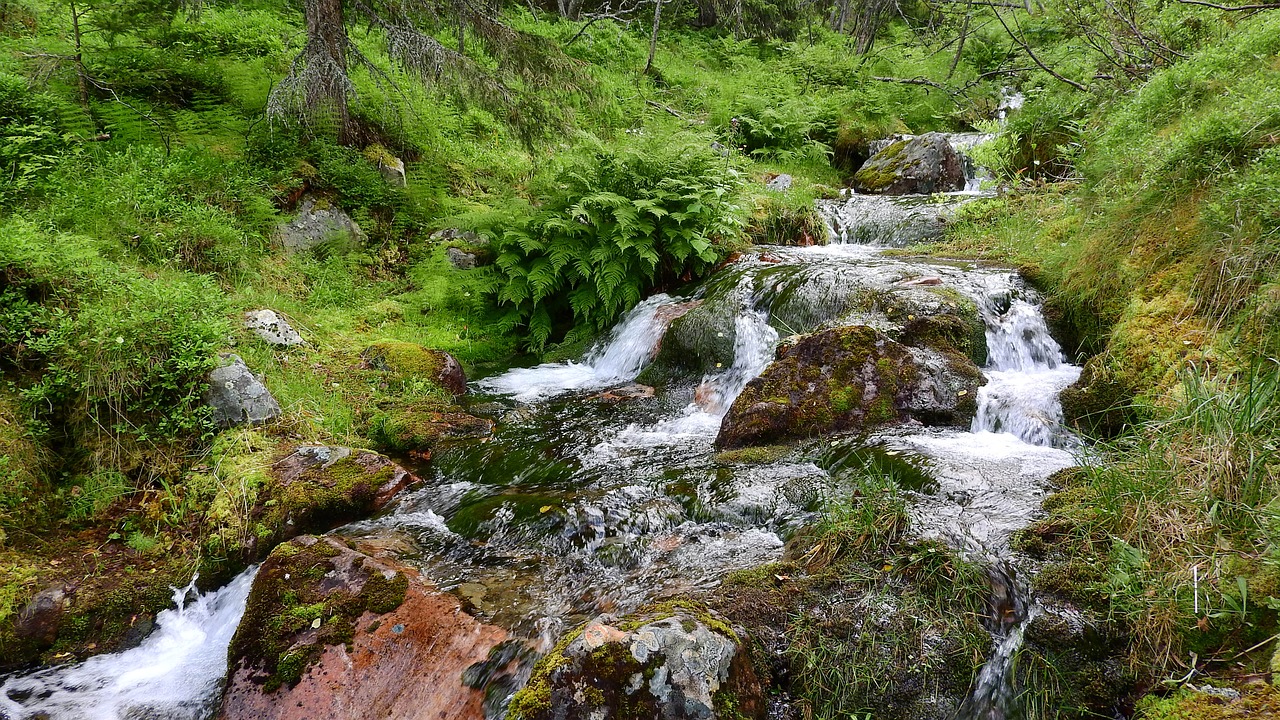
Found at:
<point>620,222</point>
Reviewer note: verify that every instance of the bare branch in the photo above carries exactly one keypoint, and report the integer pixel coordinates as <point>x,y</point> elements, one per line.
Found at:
<point>1034,58</point>
<point>1264,6</point>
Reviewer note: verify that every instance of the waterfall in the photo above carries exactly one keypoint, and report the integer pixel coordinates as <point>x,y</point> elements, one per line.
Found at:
<point>1025,372</point>
<point>176,673</point>
<point>629,348</point>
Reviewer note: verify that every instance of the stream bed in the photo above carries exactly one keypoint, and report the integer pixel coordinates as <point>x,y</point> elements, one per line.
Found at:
<point>581,504</point>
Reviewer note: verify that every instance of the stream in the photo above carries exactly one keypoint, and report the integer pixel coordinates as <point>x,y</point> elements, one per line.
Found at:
<point>578,505</point>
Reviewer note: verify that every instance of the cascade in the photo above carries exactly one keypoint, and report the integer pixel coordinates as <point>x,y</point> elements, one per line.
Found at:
<point>176,673</point>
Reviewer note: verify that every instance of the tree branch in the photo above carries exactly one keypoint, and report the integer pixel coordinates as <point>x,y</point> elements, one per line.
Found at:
<point>1264,6</point>
<point>1036,59</point>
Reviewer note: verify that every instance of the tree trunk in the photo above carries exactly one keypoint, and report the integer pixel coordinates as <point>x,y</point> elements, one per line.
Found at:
<point>82,76</point>
<point>653,37</point>
<point>327,81</point>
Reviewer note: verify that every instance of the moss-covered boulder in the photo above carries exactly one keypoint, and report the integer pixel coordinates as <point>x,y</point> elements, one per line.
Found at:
<point>419,427</point>
<point>264,492</point>
<point>921,165</point>
<point>404,363</point>
<point>851,379</point>
<point>1099,403</point>
<point>329,632</point>
<point>668,663</point>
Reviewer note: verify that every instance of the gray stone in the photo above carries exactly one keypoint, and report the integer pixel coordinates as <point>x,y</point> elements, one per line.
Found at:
<point>781,183</point>
<point>465,236</point>
<point>392,170</point>
<point>918,166</point>
<point>273,329</point>
<point>461,259</point>
<point>318,221</point>
<point>237,396</point>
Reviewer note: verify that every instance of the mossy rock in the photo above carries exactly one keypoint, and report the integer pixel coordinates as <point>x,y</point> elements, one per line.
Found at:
<point>849,379</point>
<point>671,661</point>
<point>776,222</point>
<point>309,593</point>
<point>921,165</point>
<point>1098,403</point>
<point>404,363</point>
<point>419,427</point>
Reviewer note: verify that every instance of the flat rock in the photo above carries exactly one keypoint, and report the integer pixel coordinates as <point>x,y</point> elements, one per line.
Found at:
<point>623,393</point>
<point>316,222</point>
<point>272,328</point>
<point>237,396</point>
<point>779,183</point>
<point>461,259</point>
<point>390,645</point>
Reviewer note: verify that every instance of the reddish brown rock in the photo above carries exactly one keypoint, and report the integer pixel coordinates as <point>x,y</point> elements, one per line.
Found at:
<point>622,393</point>
<point>402,362</point>
<point>386,645</point>
<point>364,480</point>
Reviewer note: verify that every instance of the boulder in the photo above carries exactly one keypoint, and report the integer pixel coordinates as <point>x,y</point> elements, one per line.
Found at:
<point>461,259</point>
<point>851,378</point>
<point>392,169</point>
<point>41,617</point>
<point>237,396</point>
<point>418,427</point>
<point>329,632</point>
<point>921,165</point>
<point>623,393</point>
<point>318,221</point>
<point>272,328</point>
<point>675,665</point>
<point>402,362</point>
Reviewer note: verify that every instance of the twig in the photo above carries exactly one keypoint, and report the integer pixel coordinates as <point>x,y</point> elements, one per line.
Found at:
<point>1036,59</point>
<point>668,108</point>
<point>1264,6</point>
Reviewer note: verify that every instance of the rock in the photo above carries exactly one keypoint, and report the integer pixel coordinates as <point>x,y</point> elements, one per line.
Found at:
<point>1098,403</point>
<point>237,396</point>
<point>41,618</point>
<point>465,236</point>
<point>318,221</point>
<point>386,644</point>
<point>669,665</point>
<point>779,183</point>
<point>461,259</point>
<point>403,361</point>
<point>634,391</point>
<point>418,427</point>
<point>360,482</point>
<point>272,328</point>
<point>850,379</point>
<point>392,169</point>
<point>922,165</point>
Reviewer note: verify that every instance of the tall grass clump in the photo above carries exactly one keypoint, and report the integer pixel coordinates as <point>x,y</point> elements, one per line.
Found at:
<point>1185,520</point>
<point>615,223</point>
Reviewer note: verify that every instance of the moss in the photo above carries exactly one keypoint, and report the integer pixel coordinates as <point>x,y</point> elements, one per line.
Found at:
<point>1099,403</point>
<point>404,363</point>
<point>420,426</point>
<point>534,699</point>
<point>760,455</point>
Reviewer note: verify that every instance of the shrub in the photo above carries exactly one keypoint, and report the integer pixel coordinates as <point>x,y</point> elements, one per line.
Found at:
<point>113,352</point>
<point>619,222</point>
<point>29,139</point>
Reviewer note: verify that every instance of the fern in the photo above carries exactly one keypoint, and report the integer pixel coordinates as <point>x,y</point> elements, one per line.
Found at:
<point>620,222</point>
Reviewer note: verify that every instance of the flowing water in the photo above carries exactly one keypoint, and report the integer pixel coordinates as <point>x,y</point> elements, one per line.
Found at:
<point>578,505</point>
<point>175,674</point>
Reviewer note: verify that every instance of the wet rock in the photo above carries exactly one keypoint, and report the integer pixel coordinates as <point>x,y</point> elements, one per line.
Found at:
<point>461,259</point>
<point>237,396</point>
<point>892,221</point>
<point>403,362</point>
<point>779,183</point>
<point>272,328</point>
<point>850,379</point>
<point>41,618</point>
<point>623,393</point>
<point>316,222</point>
<point>1086,654</point>
<point>1098,403</point>
<point>329,632</point>
<point>922,165</point>
<point>671,665</point>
